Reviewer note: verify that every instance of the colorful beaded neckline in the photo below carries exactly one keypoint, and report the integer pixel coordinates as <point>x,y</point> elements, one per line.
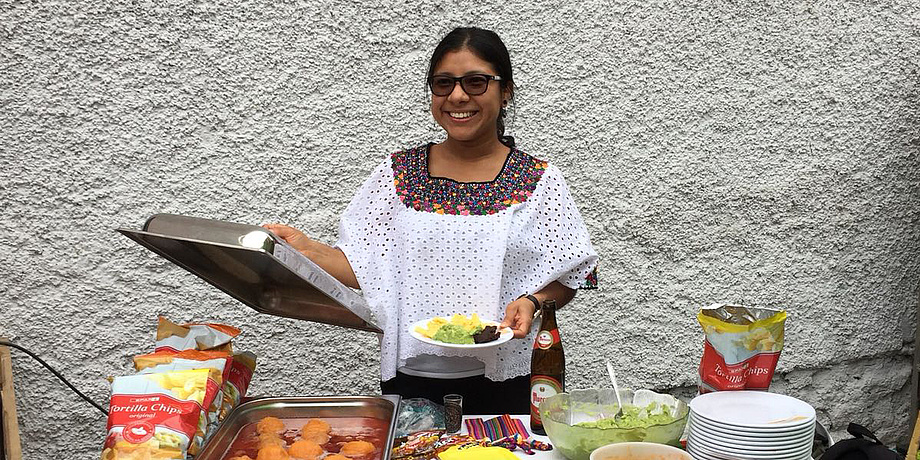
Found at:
<point>417,190</point>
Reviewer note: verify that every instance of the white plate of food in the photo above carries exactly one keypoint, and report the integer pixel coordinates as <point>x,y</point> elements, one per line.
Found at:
<point>460,331</point>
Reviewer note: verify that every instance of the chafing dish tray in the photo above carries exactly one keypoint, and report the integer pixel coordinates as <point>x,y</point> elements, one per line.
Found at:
<point>257,268</point>
<point>365,418</point>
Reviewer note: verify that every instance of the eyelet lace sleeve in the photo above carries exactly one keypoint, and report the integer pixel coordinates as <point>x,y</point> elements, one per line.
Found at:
<point>549,241</point>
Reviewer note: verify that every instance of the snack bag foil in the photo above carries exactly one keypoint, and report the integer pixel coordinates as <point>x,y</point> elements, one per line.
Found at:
<point>158,415</point>
<point>416,445</point>
<point>166,361</point>
<point>210,336</point>
<point>742,347</point>
<point>241,369</point>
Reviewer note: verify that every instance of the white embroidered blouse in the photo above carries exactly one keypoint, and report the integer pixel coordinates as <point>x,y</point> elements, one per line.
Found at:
<point>424,246</point>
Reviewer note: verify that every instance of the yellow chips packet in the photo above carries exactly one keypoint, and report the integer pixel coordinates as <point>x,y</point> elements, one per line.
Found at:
<point>741,348</point>
<point>166,361</point>
<point>159,415</point>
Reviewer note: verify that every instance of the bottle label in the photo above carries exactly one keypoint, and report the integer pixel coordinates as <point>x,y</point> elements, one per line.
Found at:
<point>546,339</point>
<point>541,387</point>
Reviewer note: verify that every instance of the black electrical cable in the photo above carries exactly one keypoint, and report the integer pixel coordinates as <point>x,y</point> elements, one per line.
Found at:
<point>56,374</point>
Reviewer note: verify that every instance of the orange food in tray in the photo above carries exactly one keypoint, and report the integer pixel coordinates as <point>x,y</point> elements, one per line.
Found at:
<point>316,424</point>
<point>306,449</point>
<point>273,452</point>
<point>270,439</point>
<point>316,430</point>
<point>346,438</point>
<point>316,437</point>
<point>270,425</point>
<point>356,448</point>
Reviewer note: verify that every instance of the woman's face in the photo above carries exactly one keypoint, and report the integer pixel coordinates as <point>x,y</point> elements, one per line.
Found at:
<point>464,117</point>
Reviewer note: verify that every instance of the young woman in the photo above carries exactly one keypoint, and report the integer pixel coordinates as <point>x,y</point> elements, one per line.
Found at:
<point>468,225</point>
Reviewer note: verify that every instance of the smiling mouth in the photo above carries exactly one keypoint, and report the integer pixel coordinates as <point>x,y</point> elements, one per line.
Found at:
<point>461,115</point>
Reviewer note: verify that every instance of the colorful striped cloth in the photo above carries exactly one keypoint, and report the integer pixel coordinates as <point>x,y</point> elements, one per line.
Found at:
<point>496,428</point>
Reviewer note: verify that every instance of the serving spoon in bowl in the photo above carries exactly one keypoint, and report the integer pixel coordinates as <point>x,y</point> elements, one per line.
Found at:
<point>616,389</point>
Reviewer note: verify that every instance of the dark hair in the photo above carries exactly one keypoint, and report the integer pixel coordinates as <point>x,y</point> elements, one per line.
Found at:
<point>487,46</point>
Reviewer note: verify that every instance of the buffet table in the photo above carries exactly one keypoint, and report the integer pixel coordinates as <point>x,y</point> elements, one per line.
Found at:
<point>537,455</point>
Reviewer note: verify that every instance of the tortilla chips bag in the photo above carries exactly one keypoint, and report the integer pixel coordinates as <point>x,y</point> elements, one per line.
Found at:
<point>742,347</point>
<point>194,336</point>
<point>166,361</point>
<point>241,369</point>
<point>159,415</point>
<point>210,337</point>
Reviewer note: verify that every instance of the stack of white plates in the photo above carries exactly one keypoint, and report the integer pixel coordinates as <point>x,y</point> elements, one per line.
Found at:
<point>750,425</point>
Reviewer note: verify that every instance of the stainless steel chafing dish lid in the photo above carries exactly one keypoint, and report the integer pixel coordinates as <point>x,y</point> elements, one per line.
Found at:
<point>251,264</point>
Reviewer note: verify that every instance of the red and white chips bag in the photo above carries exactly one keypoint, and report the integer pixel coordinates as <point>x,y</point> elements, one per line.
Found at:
<point>167,361</point>
<point>210,337</point>
<point>742,347</point>
<point>194,336</point>
<point>158,415</point>
<point>241,369</point>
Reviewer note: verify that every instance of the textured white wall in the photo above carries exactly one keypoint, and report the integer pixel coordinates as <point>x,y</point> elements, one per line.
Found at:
<point>764,152</point>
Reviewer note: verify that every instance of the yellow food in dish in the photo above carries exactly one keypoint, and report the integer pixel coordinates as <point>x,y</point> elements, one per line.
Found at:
<point>431,328</point>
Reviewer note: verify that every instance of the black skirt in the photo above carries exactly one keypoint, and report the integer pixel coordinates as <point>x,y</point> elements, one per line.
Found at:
<point>481,396</point>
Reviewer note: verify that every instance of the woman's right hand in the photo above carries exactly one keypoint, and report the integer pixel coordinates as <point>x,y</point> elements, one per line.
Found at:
<point>296,238</point>
<point>331,259</point>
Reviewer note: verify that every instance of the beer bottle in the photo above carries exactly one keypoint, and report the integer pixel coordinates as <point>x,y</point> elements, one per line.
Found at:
<point>547,365</point>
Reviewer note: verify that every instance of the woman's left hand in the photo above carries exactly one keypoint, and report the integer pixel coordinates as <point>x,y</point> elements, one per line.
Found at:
<point>519,317</point>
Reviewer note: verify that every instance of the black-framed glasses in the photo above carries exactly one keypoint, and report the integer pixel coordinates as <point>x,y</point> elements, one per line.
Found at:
<point>473,84</point>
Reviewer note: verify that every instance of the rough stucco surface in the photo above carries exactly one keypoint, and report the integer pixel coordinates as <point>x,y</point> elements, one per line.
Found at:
<point>756,152</point>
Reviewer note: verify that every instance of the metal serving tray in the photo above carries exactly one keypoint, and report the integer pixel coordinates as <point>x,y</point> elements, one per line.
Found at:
<point>379,407</point>
<point>257,268</point>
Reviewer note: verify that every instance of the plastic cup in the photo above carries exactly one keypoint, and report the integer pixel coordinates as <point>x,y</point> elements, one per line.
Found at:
<point>453,412</point>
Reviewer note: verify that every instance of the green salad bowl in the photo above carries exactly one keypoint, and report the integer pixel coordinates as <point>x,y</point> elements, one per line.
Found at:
<point>651,417</point>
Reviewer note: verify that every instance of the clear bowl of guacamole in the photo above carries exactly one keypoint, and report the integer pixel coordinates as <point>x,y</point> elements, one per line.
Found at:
<point>580,421</point>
